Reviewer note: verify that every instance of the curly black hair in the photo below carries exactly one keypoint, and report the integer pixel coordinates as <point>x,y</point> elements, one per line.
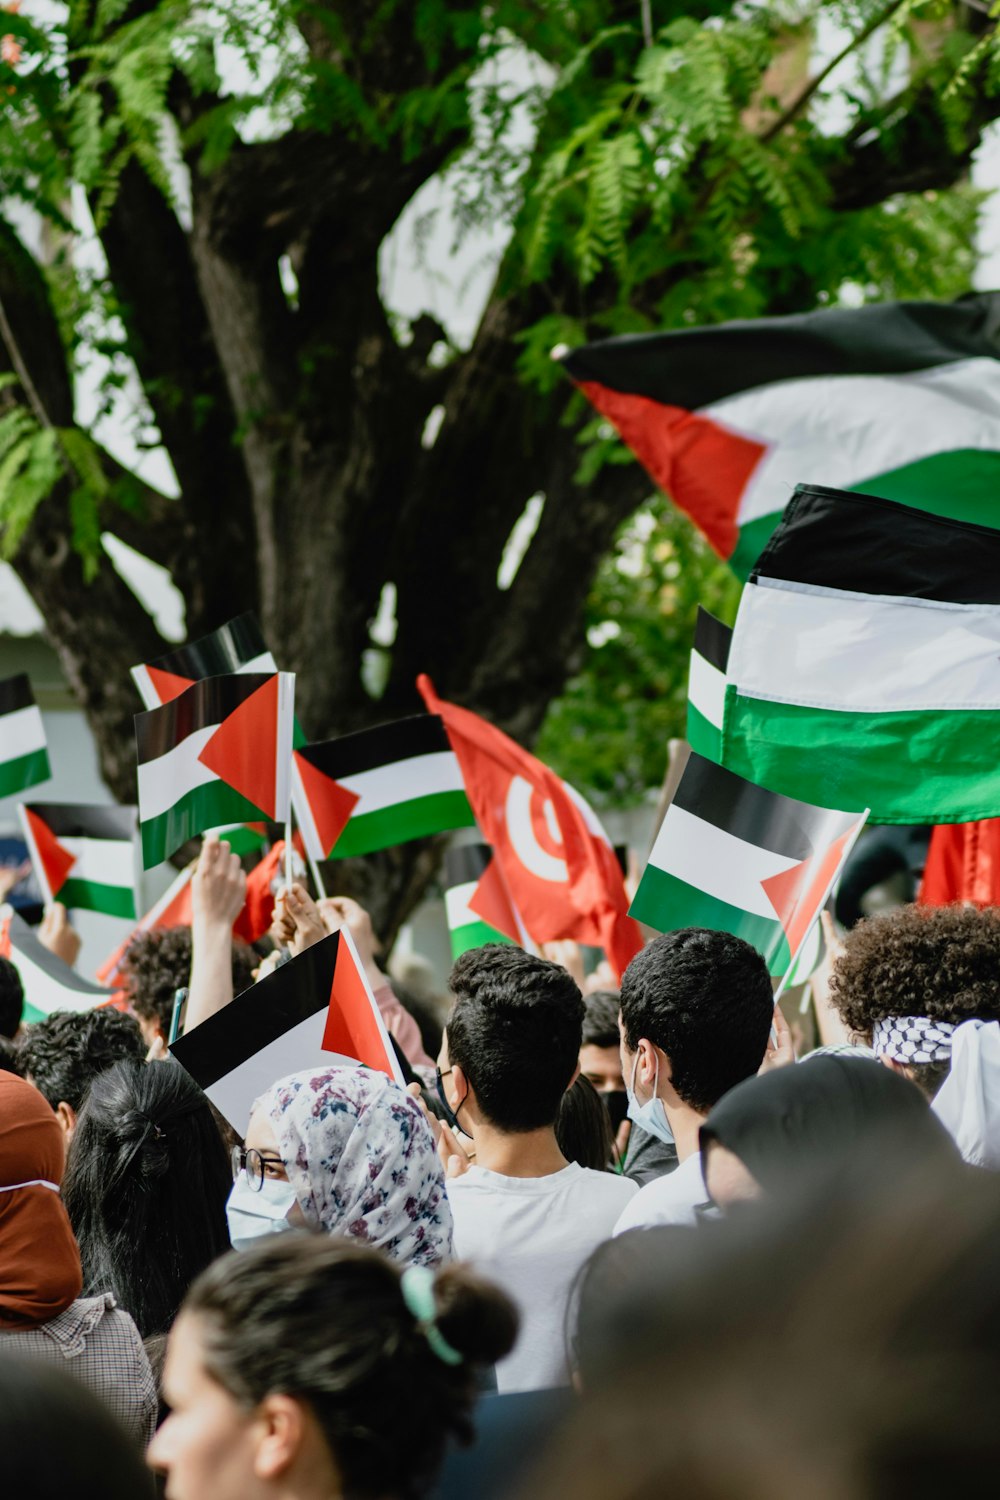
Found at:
<point>158,963</point>
<point>942,962</point>
<point>64,1053</point>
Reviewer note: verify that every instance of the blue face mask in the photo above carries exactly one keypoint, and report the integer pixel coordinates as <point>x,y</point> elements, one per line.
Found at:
<point>650,1116</point>
<point>251,1213</point>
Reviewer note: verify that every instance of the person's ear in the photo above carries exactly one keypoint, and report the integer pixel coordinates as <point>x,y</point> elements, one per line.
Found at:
<point>66,1115</point>
<point>279,1434</point>
<point>460,1089</point>
<point>649,1066</point>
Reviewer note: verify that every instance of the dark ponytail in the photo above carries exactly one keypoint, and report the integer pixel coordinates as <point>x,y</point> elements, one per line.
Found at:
<point>326,1321</point>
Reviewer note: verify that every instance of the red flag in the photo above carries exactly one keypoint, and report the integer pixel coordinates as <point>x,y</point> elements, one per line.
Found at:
<point>963,864</point>
<point>258,909</point>
<point>491,901</point>
<point>557,864</point>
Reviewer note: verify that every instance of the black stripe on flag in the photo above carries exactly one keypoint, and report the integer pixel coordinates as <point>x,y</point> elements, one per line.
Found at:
<point>748,812</point>
<point>694,367</point>
<point>712,639</point>
<point>384,745</point>
<point>206,702</point>
<point>69,820</point>
<point>261,1015</point>
<point>15,693</point>
<point>839,539</point>
<point>465,863</point>
<point>224,650</point>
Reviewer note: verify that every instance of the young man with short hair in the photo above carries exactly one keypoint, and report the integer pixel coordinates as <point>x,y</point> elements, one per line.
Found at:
<point>63,1054</point>
<point>696,1013</point>
<point>523,1215</point>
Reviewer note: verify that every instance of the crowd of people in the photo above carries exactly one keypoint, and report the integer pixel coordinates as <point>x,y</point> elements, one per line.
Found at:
<point>602,1243</point>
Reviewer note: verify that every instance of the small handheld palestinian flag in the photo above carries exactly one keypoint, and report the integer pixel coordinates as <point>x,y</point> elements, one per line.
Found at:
<point>464,869</point>
<point>379,787</point>
<point>49,983</point>
<point>218,753</point>
<point>82,855</point>
<point>173,909</point>
<point>237,646</point>
<point>24,757</point>
<point>900,399</point>
<point>317,1011</point>
<point>735,858</point>
<point>865,661</point>
<point>707,685</point>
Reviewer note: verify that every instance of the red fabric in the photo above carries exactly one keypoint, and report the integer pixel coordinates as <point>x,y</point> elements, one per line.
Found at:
<point>40,1271</point>
<point>330,803</point>
<point>168,685</point>
<point>491,902</point>
<point>963,864</point>
<point>798,894</point>
<point>352,1027</point>
<point>55,859</point>
<point>243,751</point>
<point>562,876</point>
<point>258,910</point>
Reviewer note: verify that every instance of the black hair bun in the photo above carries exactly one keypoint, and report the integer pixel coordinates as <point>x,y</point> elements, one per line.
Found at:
<point>474,1316</point>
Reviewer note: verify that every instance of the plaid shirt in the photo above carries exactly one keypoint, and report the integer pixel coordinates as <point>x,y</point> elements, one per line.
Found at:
<point>100,1346</point>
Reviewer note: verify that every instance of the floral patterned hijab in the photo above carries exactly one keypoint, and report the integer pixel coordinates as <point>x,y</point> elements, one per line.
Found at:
<point>362,1161</point>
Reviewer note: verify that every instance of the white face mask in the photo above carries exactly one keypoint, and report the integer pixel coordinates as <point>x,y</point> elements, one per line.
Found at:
<point>650,1116</point>
<point>251,1213</point>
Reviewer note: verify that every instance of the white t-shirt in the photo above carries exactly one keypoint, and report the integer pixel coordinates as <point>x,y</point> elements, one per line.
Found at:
<point>531,1235</point>
<point>673,1199</point>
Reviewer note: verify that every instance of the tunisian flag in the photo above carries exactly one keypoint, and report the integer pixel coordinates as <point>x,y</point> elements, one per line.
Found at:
<point>555,858</point>
<point>963,864</point>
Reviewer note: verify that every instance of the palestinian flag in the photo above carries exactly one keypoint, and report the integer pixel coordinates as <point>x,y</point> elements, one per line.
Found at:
<point>237,646</point>
<point>24,758</point>
<point>49,983</point>
<point>218,753</point>
<point>172,910</point>
<point>735,858</point>
<point>381,786</point>
<point>865,662</point>
<point>900,400</point>
<point>317,1011</point>
<point>464,869</point>
<point>83,856</point>
<point>707,685</point>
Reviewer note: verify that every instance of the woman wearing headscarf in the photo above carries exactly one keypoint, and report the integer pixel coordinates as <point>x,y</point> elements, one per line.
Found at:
<point>347,1151</point>
<point>778,1129</point>
<point>42,1314</point>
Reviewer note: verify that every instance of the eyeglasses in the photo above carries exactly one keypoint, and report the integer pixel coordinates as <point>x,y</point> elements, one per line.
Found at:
<point>253,1164</point>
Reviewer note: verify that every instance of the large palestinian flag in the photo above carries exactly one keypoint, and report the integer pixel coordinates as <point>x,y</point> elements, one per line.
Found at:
<point>707,685</point>
<point>83,855</point>
<point>381,786</point>
<point>865,661</point>
<point>218,753</point>
<point>24,758</point>
<point>736,858</point>
<point>49,983</point>
<point>900,400</point>
<point>317,1011</point>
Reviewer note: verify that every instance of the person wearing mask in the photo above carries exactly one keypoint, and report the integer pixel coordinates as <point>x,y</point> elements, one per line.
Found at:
<point>524,1215</point>
<point>63,1054</point>
<point>42,1314</point>
<point>347,1151</point>
<point>307,1368</point>
<point>696,1014</point>
<point>642,1155</point>
<point>146,1186</point>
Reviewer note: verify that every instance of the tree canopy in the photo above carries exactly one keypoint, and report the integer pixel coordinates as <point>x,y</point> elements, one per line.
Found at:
<point>242,164</point>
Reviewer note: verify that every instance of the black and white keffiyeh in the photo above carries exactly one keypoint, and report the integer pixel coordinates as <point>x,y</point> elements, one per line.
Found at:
<point>912,1039</point>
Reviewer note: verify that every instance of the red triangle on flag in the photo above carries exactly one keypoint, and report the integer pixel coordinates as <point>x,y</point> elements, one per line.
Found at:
<point>54,858</point>
<point>491,902</point>
<point>330,803</point>
<point>352,1023</point>
<point>797,894</point>
<point>243,751</point>
<point>168,685</point>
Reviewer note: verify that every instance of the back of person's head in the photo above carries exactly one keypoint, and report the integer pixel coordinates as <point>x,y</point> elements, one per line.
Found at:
<point>147,1181</point>
<point>637,1258</point>
<point>905,973</point>
<point>600,1018</point>
<point>583,1126</point>
<point>386,1364</point>
<point>705,999</point>
<point>11,999</point>
<point>515,1032</point>
<point>10,1058</point>
<point>157,964</point>
<point>64,1053</point>
<point>58,1439</point>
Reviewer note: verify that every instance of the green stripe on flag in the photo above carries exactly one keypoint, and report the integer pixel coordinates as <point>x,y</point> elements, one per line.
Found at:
<point>91,895</point>
<point>704,737</point>
<point>667,903</point>
<point>474,935</point>
<point>206,806</point>
<point>26,770</point>
<point>402,821</point>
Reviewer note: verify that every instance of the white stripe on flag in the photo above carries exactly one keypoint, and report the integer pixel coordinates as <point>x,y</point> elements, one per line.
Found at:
<point>105,861</point>
<point>871,653</point>
<point>707,689</point>
<point>164,780</point>
<point>717,862</point>
<point>404,781</point>
<point>456,905</point>
<point>21,733</point>
<point>848,428</point>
